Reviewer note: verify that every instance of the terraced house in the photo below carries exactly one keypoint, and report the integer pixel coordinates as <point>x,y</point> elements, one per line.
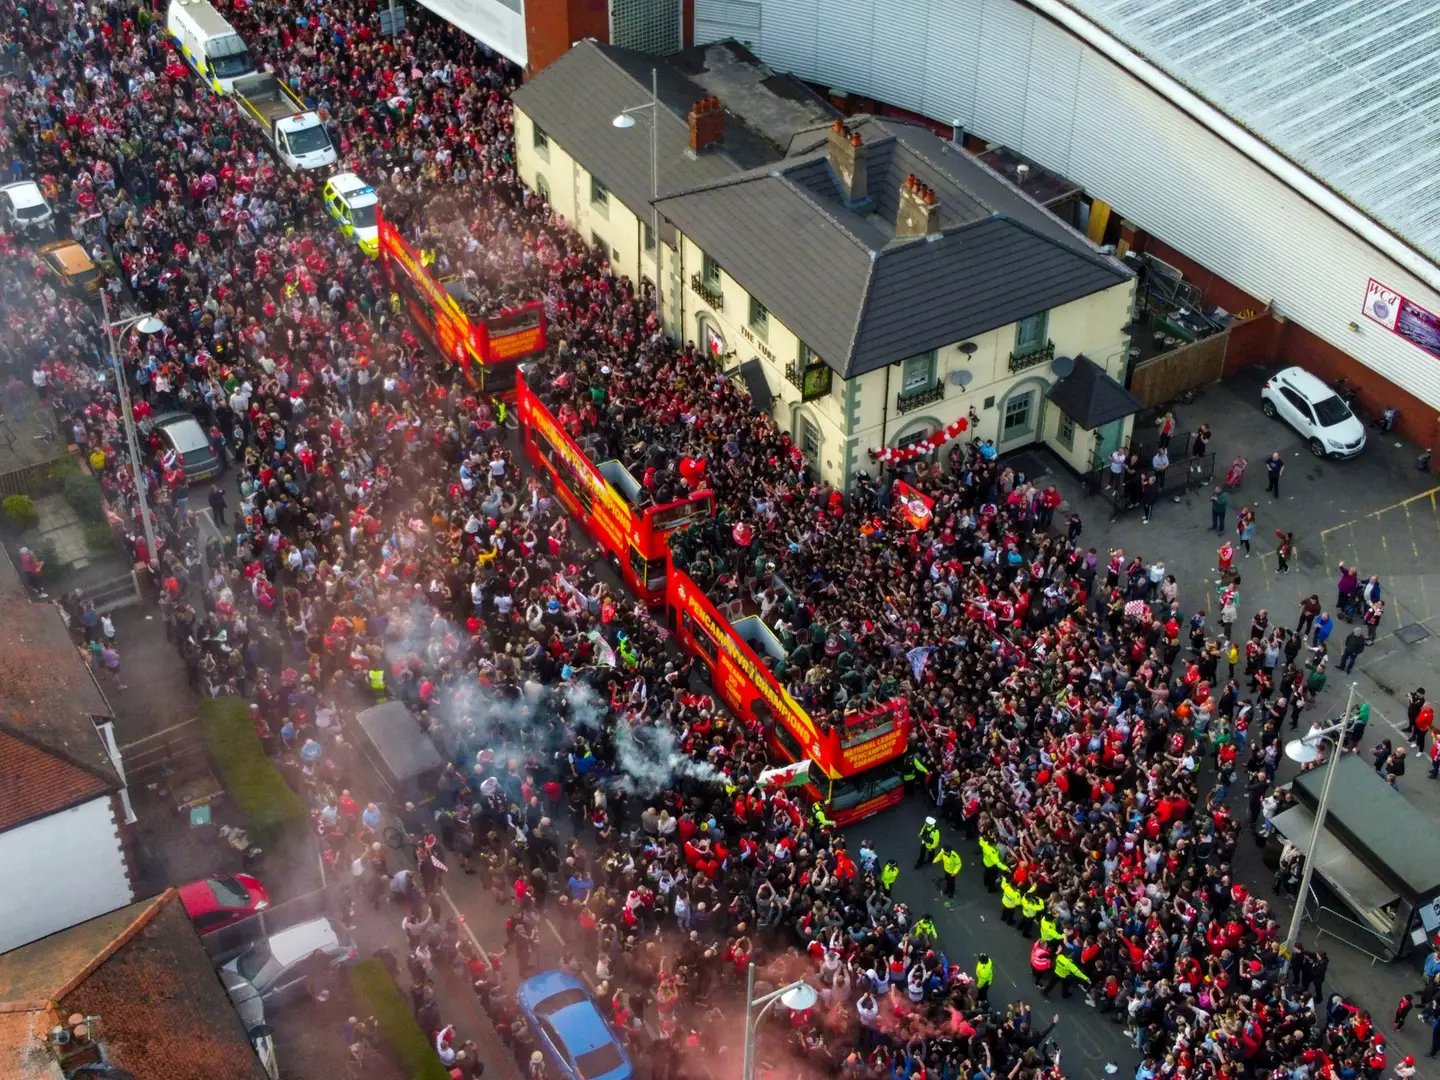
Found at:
<point>870,281</point>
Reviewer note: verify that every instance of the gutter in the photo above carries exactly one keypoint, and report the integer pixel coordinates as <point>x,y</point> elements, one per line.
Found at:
<point>1255,149</point>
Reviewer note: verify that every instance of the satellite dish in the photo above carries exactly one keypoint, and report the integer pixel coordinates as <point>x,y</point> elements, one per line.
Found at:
<point>963,377</point>
<point>1301,752</point>
<point>1062,367</point>
<point>969,348</point>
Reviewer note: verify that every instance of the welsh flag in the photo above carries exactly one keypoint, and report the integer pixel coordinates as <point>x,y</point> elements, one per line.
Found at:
<point>786,776</point>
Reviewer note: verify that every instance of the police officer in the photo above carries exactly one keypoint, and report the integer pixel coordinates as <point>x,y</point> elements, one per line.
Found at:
<point>1010,898</point>
<point>1067,971</point>
<point>817,815</point>
<point>1049,931</point>
<point>949,860</point>
<point>1042,965</point>
<point>888,873</point>
<point>929,843</point>
<point>1030,908</point>
<point>990,856</point>
<point>924,930</point>
<point>377,682</point>
<point>922,771</point>
<point>984,976</point>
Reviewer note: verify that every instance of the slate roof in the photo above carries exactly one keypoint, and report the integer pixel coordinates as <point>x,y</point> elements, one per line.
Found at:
<point>860,296</point>
<point>1090,397</point>
<point>575,99</point>
<point>47,699</point>
<point>142,970</point>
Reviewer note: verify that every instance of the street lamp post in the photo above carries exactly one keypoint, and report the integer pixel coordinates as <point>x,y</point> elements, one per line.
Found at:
<point>625,120</point>
<point>1305,750</point>
<point>145,324</point>
<point>796,996</point>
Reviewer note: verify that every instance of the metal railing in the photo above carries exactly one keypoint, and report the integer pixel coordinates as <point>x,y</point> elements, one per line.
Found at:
<point>711,294</point>
<point>919,399</point>
<point>1024,361</point>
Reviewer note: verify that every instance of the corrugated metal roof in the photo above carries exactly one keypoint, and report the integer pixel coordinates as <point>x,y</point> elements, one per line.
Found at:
<point>1349,90</point>
<point>859,295</point>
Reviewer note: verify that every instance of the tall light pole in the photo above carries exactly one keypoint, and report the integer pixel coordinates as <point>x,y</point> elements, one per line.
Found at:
<point>796,996</point>
<point>626,119</point>
<point>145,324</point>
<point>1306,750</point>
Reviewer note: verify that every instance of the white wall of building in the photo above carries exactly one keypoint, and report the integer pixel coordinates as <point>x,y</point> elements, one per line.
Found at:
<point>1009,75</point>
<point>61,870</point>
<point>498,24</point>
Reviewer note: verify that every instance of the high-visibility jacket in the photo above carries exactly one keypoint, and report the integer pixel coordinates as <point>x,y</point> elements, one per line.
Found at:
<point>888,874</point>
<point>1030,904</point>
<point>377,679</point>
<point>1010,895</point>
<point>920,766</point>
<point>1066,969</point>
<point>949,860</point>
<point>990,855</point>
<point>1040,958</point>
<point>984,973</point>
<point>929,837</point>
<point>924,928</point>
<point>817,814</point>
<point>1049,931</point>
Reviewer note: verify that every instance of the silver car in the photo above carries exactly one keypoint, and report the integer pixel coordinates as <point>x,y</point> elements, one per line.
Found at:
<point>280,966</point>
<point>246,1000</point>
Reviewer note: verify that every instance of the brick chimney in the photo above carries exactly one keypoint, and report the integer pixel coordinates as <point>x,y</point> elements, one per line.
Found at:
<point>707,124</point>
<point>919,213</point>
<point>847,158</point>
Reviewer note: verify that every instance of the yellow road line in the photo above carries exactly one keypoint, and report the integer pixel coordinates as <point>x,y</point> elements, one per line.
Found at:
<point>1430,494</point>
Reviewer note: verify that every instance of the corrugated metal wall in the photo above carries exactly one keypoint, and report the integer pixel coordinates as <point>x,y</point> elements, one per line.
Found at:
<point>1011,76</point>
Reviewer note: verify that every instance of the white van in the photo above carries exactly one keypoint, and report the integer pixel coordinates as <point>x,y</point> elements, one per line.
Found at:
<point>209,44</point>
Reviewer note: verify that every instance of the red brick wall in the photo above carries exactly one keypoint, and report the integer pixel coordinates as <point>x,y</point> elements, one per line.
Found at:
<point>1418,422</point>
<point>552,26</point>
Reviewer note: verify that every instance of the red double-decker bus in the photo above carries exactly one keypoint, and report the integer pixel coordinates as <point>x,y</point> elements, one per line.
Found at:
<point>854,767</point>
<point>606,498</point>
<point>488,349</point>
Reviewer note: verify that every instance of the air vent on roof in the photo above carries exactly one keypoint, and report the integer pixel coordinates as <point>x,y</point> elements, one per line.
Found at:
<point>1021,171</point>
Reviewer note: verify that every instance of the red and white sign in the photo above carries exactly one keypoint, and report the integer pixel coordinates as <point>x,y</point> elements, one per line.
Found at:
<point>1403,317</point>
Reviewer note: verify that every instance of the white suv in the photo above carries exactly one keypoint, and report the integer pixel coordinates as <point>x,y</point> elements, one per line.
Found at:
<point>1315,411</point>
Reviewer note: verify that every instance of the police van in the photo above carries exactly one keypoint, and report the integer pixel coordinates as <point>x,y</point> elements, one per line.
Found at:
<point>208,43</point>
<point>353,204</point>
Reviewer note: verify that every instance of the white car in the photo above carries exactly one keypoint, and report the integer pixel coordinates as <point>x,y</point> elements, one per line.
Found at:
<point>24,206</point>
<point>1315,411</point>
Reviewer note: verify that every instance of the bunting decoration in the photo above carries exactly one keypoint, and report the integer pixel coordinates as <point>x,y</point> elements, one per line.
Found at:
<point>923,448</point>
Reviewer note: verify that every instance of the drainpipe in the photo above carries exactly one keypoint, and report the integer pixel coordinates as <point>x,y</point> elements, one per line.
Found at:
<point>885,409</point>
<point>1257,151</point>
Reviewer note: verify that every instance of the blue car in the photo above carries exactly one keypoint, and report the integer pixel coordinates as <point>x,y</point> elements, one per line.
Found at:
<point>571,1031</point>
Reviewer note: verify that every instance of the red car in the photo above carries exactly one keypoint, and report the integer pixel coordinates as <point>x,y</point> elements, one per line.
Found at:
<point>220,901</point>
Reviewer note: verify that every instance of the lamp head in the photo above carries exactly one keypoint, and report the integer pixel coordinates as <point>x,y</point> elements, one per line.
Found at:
<point>623,121</point>
<point>1301,752</point>
<point>799,997</point>
<point>149,325</point>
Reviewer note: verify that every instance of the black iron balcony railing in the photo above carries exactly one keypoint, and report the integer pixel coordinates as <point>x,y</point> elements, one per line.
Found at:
<point>711,294</point>
<point>1042,355</point>
<point>919,399</point>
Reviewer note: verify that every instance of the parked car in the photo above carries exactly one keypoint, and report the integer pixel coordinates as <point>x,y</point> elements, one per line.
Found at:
<point>190,444</point>
<point>246,1000</point>
<point>24,207</point>
<point>1314,410</point>
<point>572,1032</point>
<point>280,966</point>
<point>71,265</point>
<point>220,901</point>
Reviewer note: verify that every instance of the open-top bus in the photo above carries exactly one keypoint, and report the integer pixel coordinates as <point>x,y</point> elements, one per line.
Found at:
<point>606,498</point>
<point>488,349</point>
<point>855,766</point>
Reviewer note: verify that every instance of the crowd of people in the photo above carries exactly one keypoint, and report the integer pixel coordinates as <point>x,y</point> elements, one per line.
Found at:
<point>387,543</point>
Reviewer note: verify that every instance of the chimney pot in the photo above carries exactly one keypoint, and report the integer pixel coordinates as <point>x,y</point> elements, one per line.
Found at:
<point>854,138</point>
<point>838,126</point>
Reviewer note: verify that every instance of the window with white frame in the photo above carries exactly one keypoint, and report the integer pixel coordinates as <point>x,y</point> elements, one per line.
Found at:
<point>1065,433</point>
<point>540,140</point>
<point>599,194</point>
<point>710,272</point>
<point>918,374</point>
<point>809,438</point>
<point>759,319</point>
<point>649,234</point>
<point>1030,334</point>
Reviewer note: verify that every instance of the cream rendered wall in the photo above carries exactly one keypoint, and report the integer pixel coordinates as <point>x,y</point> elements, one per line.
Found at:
<point>73,869</point>
<point>863,416</point>
<point>568,183</point>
